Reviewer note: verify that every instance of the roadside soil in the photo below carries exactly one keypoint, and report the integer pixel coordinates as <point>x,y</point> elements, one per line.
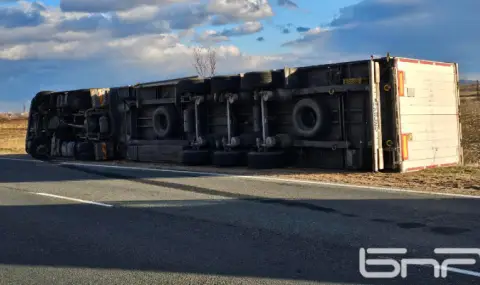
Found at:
<point>458,180</point>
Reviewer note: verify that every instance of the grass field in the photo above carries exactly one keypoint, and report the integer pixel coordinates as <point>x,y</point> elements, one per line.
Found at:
<point>464,180</point>
<point>12,135</point>
<point>470,119</point>
<point>470,90</point>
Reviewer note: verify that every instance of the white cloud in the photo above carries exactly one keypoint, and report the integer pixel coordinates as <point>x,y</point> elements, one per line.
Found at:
<point>210,37</point>
<point>140,13</point>
<point>314,31</point>
<point>98,6</point>
<point>230,11</point>
<point>309,37</point>
<point>50,50</point>
<point>244,29</point>
<point>25,14</point>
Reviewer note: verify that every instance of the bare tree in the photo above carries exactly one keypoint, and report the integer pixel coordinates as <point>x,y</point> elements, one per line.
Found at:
<point>205,61</point>
<point>212,60</point>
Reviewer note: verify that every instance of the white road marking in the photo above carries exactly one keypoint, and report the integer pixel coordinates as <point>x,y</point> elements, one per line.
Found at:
<point>454,269</point>
<point>73,199</point>
<point>463,271</point>
<point>151,169</point>
<point>275,179</point>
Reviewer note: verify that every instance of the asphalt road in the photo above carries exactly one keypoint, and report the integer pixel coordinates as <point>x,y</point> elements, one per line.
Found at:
<point>64,224</point>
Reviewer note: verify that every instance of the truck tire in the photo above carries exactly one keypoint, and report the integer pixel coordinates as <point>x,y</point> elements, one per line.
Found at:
<point>83,146</point>
<point>83,151</point>
<point>266,160</point>
<point>39,149</point>
<point>64,149</point>
<point>193,157</point>
<point>228,158</point>
<point>28,146</point>
<point>85,156</point>
<point>225,84</point>
<point>308,118</point>
<point>164,121</point>
<point>256,80</point>
<point>71,149</point>
<point>189,120</point>
<point>196,86</point>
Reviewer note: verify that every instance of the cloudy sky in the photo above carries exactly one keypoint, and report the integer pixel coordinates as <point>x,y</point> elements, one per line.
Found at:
<point>71,44</point>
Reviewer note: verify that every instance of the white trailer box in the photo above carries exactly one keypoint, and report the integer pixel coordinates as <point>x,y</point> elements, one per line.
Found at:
<point>428,107</point>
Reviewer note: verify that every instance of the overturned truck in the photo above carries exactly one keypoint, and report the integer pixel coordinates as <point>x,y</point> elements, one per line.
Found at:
<point>391,113</point>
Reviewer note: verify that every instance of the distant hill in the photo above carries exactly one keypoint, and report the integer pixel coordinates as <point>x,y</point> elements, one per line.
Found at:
<point>467,81</point>
<point>12,116</point>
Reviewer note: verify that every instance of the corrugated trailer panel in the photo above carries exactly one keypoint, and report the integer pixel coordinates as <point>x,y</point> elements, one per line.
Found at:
<point>432,124</point>
<point>433,154</point>
<point>429,121</point>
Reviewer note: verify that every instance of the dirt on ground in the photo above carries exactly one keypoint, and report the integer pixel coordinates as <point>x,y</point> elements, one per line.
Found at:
<point>460,180</point>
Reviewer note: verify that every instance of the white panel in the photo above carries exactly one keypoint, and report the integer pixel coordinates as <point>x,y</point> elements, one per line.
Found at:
<point>428,145</point>
<point>432,153</point>
<point>430,124</point>
<point>429,112</point>
<point>407,165</point>
<point>412,109</point>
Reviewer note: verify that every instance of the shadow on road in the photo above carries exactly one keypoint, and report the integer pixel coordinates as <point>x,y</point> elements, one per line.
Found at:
<point>145,239</point>
<point>11,170</point>
<point>22,168</point>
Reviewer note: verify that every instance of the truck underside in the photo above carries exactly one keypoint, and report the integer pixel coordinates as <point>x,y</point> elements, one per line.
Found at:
<point>336,116</point>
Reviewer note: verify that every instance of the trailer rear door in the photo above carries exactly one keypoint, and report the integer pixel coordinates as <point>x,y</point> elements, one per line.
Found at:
<point>430,131</point>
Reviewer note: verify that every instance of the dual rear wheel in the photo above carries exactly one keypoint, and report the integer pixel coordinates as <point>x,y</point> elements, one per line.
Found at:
<point>254,160</point>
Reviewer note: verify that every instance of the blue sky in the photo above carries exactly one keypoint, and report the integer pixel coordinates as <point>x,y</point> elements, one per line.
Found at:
<point>70,44</point>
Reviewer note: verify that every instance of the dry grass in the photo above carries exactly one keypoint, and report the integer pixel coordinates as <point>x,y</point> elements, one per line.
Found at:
<point>470,118</point>
<point>460,180</point>
<point>469,90</point>
<point>12,136</point>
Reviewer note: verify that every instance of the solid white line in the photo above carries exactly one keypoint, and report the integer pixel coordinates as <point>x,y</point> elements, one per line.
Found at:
<point>275,179</point>
<point>73,199</point>
<point>19,159</point>
<point>454,269</point>
<point>151,169</point>
<point>463,271</point>
<point>376,188</point>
